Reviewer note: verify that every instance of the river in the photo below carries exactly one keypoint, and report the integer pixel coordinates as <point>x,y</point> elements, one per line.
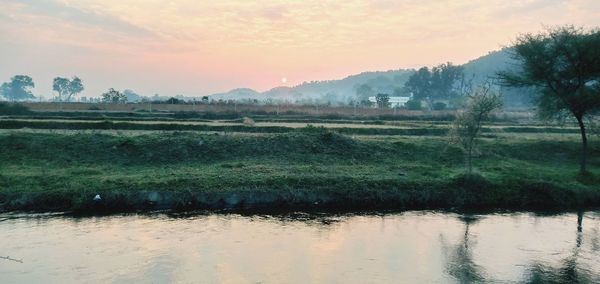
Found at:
<point>408,247</point>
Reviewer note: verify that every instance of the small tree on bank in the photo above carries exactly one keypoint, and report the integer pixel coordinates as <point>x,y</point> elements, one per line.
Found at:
<point>467,125</point>
<point>564,64</point>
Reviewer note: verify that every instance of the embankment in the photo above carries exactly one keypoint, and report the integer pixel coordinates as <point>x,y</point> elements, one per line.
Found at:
<point>297,170</point>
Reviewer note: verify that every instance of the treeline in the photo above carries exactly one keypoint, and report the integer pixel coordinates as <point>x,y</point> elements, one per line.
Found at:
<point>445,82</point>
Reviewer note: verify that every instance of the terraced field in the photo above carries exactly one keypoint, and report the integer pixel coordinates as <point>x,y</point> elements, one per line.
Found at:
<point>59,161</point>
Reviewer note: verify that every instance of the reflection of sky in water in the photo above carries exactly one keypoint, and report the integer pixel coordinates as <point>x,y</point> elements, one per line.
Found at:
<point>409,247</point>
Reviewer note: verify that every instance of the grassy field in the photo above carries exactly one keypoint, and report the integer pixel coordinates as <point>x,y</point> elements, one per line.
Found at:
<point>51,162</point>
<point>244,109</point>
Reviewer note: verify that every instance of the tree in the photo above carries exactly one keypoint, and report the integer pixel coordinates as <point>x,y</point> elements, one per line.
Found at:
<point>113,96</point>
<point>67,88</point>
<point>467,125</point>
<point>413,105</point>
<point>443,80</point>
<point>174,101</point>
<point>132,96</point>
<point>419,84</point>
<point>383,100</point>
<point>365,103</point>
<point>18,88</point>
<point>437,84</point>
<point>564,65</point>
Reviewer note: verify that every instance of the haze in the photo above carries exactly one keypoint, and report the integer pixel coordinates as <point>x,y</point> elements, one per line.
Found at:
<point>197,48</point>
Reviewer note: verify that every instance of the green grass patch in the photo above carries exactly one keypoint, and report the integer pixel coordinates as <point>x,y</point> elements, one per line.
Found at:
<point>312,168</point>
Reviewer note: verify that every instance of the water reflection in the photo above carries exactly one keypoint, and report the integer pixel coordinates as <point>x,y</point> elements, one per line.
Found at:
<point>410,247</point>
<point>459,258</point>
<point>568,270</point>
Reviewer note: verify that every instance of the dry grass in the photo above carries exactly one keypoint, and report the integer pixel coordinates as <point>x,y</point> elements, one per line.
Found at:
<point>219,108</point>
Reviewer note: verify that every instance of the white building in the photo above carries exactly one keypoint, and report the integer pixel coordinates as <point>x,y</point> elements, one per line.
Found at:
<point>394,101</point>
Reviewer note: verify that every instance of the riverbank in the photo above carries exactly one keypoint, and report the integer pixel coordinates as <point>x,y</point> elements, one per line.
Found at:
<point>298,170</point>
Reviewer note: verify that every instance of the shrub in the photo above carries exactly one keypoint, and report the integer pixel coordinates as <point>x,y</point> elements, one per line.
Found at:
<point>248,121</point>
<point>439,106</point>
<point>13,109</point>
<point>413,105</point>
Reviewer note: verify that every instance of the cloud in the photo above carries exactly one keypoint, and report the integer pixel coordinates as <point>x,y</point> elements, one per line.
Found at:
<point>529,7</point>
<point>274,13</point>
<point>79,17</point>
<point>204,46</point>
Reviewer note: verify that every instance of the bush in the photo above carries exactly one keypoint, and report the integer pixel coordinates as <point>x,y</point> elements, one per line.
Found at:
<point>185,114</point>
<point>313,129</point>
<point>248,121</point>
<point>94,108</point>
<point>413,105</point>
<point>174,101</point>
<point>439,106</point>
<point>13,109</point>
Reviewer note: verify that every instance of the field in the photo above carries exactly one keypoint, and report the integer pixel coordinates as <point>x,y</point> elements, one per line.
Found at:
<point>140,160</point>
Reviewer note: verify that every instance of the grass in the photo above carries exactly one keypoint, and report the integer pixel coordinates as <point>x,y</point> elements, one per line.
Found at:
<point>230,111</point>
<point>299,169</point>
<point>14,109</point>
<point>410,129</point>
<point>312,113</point>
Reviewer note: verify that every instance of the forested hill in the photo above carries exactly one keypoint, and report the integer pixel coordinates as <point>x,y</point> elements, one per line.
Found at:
<point>329,90</point>
<point>480,69</point>
<point>486,67</point>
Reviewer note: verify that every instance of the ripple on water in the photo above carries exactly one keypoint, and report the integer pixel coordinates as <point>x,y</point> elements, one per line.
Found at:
<point>417,246</point>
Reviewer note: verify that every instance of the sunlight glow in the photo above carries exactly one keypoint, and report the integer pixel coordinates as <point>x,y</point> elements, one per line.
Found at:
<point>201,47</point>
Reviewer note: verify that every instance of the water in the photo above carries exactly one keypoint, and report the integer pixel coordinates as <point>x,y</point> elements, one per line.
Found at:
<point>411,247</point>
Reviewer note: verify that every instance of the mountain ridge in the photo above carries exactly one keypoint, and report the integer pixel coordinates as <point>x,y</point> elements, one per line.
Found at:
<point>480,69</point>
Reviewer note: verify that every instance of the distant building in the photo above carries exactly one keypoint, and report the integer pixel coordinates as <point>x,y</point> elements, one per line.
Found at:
<point>394,101</point>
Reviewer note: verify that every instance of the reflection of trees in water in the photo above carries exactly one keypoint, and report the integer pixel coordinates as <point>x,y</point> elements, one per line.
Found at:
<point>459,257</point>
<point>321,220</point>
<point>594,241</point>
<point>325,221</point>
<point>569,270</point>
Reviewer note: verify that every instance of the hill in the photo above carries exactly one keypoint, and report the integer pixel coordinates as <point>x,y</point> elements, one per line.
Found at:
<point>485,69</point>
<point>335,91</point>
<point>342,91</point>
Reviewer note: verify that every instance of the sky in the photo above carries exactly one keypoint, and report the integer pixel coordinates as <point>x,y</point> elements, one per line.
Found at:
<point>197,47</point>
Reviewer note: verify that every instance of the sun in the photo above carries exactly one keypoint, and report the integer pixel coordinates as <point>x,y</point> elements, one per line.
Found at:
<point>284,80</point>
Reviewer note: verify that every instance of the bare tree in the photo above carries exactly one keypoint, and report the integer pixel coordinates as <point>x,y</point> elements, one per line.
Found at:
<point>467,125</point>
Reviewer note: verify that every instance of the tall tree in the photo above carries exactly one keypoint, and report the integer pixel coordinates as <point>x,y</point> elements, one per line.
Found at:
<point>419,84</point>
<point>17,88</point>
<point>439,83</point>
<point>66,88</point>
<point>443,80</point>
<point>564,65</point>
